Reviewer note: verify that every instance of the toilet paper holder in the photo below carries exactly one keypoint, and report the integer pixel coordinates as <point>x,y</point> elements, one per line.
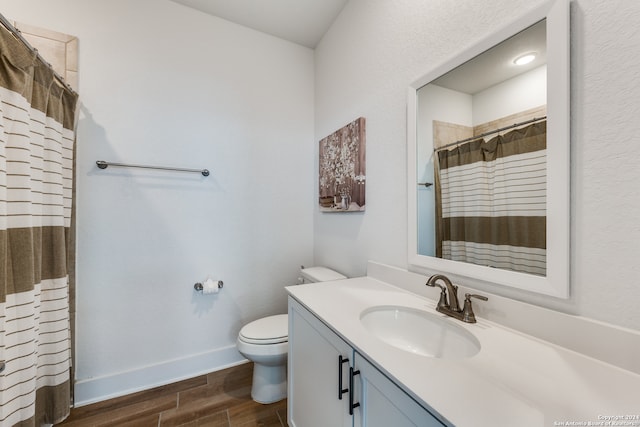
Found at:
<point>198,286</point>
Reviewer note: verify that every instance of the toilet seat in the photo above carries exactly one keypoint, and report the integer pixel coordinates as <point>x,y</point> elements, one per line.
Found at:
<point>265,331</point>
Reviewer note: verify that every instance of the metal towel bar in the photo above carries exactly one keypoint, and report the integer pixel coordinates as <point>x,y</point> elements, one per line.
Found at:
<point>103,165</point>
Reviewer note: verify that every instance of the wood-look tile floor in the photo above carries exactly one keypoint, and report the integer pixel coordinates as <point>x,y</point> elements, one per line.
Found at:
<point>219,399</point>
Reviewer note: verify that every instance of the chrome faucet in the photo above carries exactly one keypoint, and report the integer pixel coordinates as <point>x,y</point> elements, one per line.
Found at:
<point>451,306</point>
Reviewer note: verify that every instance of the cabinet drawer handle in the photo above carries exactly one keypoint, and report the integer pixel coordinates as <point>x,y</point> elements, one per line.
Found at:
<point>341,390</point>
<point>352,405</point>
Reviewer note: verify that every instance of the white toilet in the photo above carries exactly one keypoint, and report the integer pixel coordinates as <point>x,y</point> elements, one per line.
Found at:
<point>265,343</point>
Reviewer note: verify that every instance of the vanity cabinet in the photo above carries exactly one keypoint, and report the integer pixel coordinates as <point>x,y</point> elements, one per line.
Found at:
<point>314,353</point>
<point>331,384</point>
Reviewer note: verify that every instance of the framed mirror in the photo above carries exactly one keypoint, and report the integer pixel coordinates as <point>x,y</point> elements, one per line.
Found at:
<point>489,158</point>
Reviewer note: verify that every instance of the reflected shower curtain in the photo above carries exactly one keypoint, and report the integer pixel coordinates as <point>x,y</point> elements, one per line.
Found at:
<point>37,121</point>
<point>491,201</point>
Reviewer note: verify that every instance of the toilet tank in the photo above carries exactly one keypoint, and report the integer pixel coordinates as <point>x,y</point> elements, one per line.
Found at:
<point>319,274</point>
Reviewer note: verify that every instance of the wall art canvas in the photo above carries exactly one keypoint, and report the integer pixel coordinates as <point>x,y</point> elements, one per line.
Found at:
<point>342,169</point>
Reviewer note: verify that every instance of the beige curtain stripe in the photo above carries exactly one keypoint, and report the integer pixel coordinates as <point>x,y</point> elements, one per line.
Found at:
<point>56,413</point>
<point>22,248</point>
<point>525,140</point>
<point>45,95</point>
<point>510,230</point>
<point>53,396</point>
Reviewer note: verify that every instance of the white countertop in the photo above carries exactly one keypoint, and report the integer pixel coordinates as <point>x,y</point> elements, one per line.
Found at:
<point>515,379</point>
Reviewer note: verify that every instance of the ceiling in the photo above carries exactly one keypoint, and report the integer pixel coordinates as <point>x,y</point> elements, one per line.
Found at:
<point>306,21</point>
<point>300,21</point>
<point>496,64</point>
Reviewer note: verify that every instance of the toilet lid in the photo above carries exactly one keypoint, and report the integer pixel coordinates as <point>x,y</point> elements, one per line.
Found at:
<point>268,330</point>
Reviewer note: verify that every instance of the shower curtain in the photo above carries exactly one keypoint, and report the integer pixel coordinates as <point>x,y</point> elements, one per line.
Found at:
<point>37,122</point>
<point>491,201</point>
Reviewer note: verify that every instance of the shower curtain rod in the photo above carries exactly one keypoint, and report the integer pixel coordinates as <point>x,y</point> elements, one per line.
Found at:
<point>18,35</point>
<point>515,125</point>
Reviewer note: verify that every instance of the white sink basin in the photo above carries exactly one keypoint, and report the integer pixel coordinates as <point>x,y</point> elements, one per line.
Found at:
<point>420,332</point>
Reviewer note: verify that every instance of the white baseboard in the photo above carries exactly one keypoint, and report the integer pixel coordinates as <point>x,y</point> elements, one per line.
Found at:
<point>97,389</point>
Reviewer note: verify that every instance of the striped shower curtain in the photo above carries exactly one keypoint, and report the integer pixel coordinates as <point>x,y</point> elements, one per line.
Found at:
<point>37,122</point>
<point>491,201</point>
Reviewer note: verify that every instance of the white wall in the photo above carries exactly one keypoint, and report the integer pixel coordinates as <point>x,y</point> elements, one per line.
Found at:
<point>377,48</point>
<point>442,104</point>
<point>163,84</point>
<point>498,101</point>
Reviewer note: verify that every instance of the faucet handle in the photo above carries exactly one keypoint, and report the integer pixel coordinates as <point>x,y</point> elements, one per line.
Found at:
<point>467,312</point>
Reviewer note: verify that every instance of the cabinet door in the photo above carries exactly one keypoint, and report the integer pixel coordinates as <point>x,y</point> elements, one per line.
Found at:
<point>383,403</point>
<point>314,372</point>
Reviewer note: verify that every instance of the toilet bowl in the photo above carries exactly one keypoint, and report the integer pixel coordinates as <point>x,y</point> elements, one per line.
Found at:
<point>265,342</point>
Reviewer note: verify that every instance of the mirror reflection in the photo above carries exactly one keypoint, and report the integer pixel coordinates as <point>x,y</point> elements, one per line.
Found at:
<point>481,158</point>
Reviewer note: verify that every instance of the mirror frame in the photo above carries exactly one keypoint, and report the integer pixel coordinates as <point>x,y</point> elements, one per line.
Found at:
<point>557,280</point>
